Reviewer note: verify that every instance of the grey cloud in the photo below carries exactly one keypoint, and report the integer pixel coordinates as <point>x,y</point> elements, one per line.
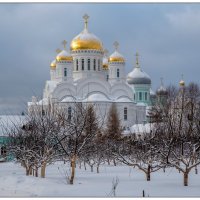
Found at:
<point>164,35</point>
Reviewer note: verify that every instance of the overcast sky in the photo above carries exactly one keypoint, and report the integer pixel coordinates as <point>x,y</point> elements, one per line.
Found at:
<point>167,37</point>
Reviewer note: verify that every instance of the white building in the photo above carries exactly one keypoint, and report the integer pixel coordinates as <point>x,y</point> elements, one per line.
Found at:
<point>87,74</point>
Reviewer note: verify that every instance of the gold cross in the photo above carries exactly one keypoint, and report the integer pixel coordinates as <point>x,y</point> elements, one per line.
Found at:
<point>64,42</point>
<point>116,45</point>
<point>86,17</point>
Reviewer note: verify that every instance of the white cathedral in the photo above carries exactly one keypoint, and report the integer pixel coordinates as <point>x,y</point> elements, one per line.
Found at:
<point>87,74</point>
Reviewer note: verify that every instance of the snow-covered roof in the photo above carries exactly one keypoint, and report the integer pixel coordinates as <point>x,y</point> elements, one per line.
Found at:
<point>123,99</point>
<point>96,97</point>
<point>141,128</point>
<point>68,99</point>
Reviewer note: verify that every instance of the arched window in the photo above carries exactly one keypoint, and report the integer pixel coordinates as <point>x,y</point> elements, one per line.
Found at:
<point>117,73</point>
<point>98,65</point>
<point>140,96</point>
<point>94,65</point>
<point>88,64</point>
<point>125,114</point>
<point>65,71</point>
<point>69,113</point>
<point>76,64</point>
<point>82,63</point>
<point>107,77</point>
<point>145,96</point>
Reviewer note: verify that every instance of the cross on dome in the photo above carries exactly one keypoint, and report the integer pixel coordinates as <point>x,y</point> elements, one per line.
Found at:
<point>64,42</point>
<point>116,45</point>
<point>137,59</point>
<point>86,17</point>
<point>161,81</point>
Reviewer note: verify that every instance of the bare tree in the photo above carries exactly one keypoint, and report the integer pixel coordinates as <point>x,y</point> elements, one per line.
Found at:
<point>32,144</point>
<point>77,132</point>
<point>178,132</point>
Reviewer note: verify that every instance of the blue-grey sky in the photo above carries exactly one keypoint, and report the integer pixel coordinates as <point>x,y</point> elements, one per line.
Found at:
<point>167,37</point>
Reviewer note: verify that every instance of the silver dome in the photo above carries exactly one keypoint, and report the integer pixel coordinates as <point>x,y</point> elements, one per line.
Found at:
<point>137,76</point>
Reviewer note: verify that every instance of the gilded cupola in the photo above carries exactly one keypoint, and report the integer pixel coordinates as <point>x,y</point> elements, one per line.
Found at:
<point>182,82</point>
<point>86,40</point>
<point>53,65</point>
<point>64,55</point>
<point>116,56</point>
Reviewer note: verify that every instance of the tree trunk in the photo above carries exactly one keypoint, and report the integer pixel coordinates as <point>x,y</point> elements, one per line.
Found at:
<point>33,172</point>
<point>27,171</point>
<point>73,162</point>
<point>36,172</point>
<point>97,168</point>
<point>196,170</point>
<point>85,165</point>
<point>30,171</point>
<point>108,161</point>
<point>148,174</point>
<point>43,169</point>
<point>185,178</point>
<point>91,168</point>
<point>114,162</point>
<point>164,169</point>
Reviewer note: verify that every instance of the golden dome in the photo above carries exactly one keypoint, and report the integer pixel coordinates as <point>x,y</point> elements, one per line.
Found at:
<point>53,65</point>
<point>116,56</point>
<point>86,40</point>
<point>105,60</point>
<point>80,43</point>
<point>64,56</point>
<point>116,59</point>
<point>182,83</point>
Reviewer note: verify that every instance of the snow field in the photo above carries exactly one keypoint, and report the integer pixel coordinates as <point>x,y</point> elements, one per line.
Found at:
<point>14,182</point>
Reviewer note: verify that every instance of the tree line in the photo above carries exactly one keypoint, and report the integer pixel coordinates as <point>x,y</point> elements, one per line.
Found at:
<point>81,137</point>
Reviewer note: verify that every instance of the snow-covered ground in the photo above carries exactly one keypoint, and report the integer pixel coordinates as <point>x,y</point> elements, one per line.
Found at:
<point>14,182</point>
